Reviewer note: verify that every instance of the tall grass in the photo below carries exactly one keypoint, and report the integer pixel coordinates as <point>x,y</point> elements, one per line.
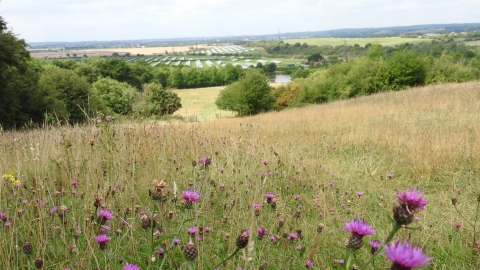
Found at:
<point>313,159</point>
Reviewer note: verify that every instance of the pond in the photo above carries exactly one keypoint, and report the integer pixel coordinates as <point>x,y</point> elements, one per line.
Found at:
<point>279,78</point>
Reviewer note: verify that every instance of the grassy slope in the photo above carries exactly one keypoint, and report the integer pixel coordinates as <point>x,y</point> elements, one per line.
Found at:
<point>386,41</point>
<point>426,137</point>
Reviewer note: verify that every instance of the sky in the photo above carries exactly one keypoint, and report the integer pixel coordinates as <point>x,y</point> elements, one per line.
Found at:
<point>102,20</point>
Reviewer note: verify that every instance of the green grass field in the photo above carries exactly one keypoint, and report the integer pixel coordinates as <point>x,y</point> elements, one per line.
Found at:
<point>201,103</point>
<point>384,41</point>
<point>472,43</point>
<point>112,192</point>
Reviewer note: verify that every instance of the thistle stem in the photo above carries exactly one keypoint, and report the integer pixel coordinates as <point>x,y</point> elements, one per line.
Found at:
<point>228,258</point>
<point>395,229</point>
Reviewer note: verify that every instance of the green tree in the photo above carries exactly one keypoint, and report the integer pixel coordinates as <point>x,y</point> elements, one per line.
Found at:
<point>270,67</point>
<point>161,101</point>
<point>20,99</point>
<point>314,58</point>
<point>67,94</point>
<point>375,51</point>
<point>116,96</point>
<point>250,95</point>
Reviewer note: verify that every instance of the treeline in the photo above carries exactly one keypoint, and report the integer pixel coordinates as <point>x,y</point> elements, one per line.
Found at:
<point>442,45</point>
<point>140,72</point>
<point>377,72</point>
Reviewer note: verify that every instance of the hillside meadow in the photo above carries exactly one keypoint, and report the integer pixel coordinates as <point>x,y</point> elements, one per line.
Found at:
<point>111,192</point>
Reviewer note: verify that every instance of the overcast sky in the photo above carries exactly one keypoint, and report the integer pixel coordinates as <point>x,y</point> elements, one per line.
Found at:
<point>81,20</point>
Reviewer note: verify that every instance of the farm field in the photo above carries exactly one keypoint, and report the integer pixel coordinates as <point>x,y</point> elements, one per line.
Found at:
<point>180,195</point>
<point>384,41</point>
<point>200,103</point>
<point>472,43</point>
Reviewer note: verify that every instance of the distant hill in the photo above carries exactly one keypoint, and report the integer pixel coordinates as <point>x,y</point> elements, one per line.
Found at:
<point>344,33</point>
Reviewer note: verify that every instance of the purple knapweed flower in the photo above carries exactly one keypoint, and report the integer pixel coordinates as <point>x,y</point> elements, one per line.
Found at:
<point>359,227</point>
<point>102,238</point>
<point>308,264</point>
<point>207,229</point>
<point>131,266</point>
<point>408,203</point>
<point>405,255</point>
<point>190,196</point>
<point>412,199</point>
<point>205,161</point>
<point>264,162</point>
<point>53,210</point>
<point>269,195</point>
<point>222,170</point>
<point>359,193</point>
<point>374,244</point>
<point>390,176</point>
<point>104,215</point>
<point>74,183</point>
<point>292,236</point>
<point>297,197</point>
<point>192,230</point>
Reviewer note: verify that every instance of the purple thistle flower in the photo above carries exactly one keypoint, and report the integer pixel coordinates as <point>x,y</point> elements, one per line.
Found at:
<point>374,243</point>
<point>131,266</point>
<point>292,236</point>
<point>190,196</point>
<point>412,199</point>
<point>53,210</point>
<point>74,183</point>
<point>176,241</point>
<point>222,170</point>
<point>405,255</point>
<point>297,197</point>
<point>264,162</point>
<point>359,227</point>
<point>331,183</point>
<point>192,230</point>
<point>104,215</point>
<point>262,231</point>
<point>102,238</point>
<point>205,161</point>
<point>308,264</point>
<point>269,195</point>
<point>359,194</point>
<point>390,176</point>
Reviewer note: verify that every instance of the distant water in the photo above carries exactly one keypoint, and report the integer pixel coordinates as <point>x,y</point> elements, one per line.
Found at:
<point>279,78</point>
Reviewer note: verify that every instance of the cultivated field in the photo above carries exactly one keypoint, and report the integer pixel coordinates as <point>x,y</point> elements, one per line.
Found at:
<point>384,41</point>
<point>84,197</point>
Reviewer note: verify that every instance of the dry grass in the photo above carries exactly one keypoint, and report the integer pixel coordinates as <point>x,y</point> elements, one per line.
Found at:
<point>426,137</point>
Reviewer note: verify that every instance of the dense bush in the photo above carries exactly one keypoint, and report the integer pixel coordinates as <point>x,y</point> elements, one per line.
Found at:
<point>116,96</point>
<point>379,72</point>
<point>250,95</point>
<point>158,101</point>
<point>67,95</point>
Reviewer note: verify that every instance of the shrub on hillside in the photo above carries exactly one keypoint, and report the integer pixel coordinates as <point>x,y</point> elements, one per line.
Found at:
<point>116,96</point>
<point>444,69</point>
<point>402,69</point>
<point>284,95</point>
<point>67,94</point>
<point>250,95</point>
<point>158,101</point>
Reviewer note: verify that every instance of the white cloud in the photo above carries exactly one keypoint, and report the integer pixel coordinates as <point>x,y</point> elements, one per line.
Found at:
<point>71,20</point>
